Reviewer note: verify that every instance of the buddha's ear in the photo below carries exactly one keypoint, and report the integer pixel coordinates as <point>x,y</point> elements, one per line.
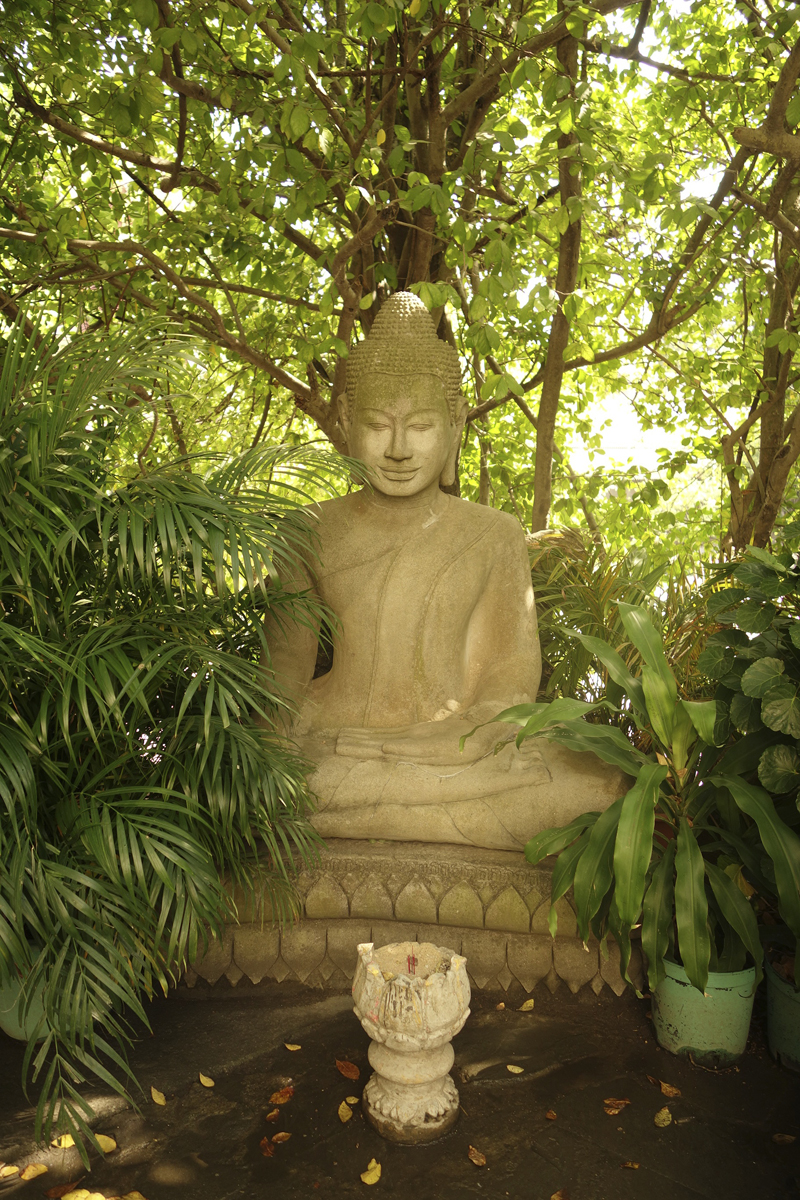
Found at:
<point>448,475</point>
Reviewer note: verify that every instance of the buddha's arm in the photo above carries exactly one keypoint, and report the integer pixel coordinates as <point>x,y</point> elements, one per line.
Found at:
<point>293,644</point>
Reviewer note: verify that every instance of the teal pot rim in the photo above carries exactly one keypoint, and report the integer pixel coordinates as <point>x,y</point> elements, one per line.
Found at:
<point>784,984</point>
<point>716,979</point>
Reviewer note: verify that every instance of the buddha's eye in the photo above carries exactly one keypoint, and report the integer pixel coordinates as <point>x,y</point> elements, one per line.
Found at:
<point>421,428</point>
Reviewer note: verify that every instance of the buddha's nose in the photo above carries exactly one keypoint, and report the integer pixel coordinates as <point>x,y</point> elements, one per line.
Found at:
<point>398,447</point>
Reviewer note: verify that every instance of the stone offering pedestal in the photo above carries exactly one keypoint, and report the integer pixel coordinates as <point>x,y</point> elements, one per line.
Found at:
<point>412,998</point>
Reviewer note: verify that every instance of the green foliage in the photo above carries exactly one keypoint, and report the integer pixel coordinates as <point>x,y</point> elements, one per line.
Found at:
<point>141,779</point>
<point>663,856</point>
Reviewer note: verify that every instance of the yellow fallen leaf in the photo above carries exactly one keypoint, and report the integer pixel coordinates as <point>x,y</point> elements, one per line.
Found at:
<point>158,1097</point>
<point>514,1069</point>
<point>352,1099</point>
<point>63,1142</point>
<point>561,1194</point>
<point>78,1194</point>
<point>380,137</point>
<point>206,1081</point>
<point>476,1157</point>
<point>292,1046</point>
<point>106,1143</point>
<point>632,1166</point>
<point>527,1006</point>
<point>32,1170</point>
<point>783,1139</point>
<point>500,1006</point>
<point>612,1107</point>
<point>281,1137</point>
<point>345,1112</point>
<point>275,1115</point>
<point>133,1196</point>
<point>282,1097</point>
<point>668,1090</point>
<point>372,1173</point>
<point>7,1170</point>
<point>663,1118</point>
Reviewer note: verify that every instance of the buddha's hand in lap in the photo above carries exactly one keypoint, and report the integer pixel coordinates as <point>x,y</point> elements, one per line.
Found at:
<point>433,743</point>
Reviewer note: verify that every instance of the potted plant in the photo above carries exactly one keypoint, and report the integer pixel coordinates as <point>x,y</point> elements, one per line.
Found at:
<point>668,858</point>
<point>754,659</point>
<point>138,768</point>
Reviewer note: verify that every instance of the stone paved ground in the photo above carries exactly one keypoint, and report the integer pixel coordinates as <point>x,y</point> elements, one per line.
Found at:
<point>576,1051</point>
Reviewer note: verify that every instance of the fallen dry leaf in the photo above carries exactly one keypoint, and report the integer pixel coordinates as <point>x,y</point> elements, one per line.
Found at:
<point>652,1079</point>
<point>527,1006</point>
<point>83,1194</point>
<point>106,1143</point>
<point>63,1142</point>
<point>663,1118</point>
<point>476,1157</point>
<point>668,1090</point>
<point>352,1099</point>
<point>292,1046</point>
<point>281,1137</point>
<point>267,1148</point>
<point>632,1166</point>
<point>613,1107</point>
<point>158,1097</point>
<point>32,1170</point>
<point>206,1080</point>
<point>63,1189</point>
<point>499,1007</point>
<point>372,1173</point>
<point>561,1194</point>
<point>514,1069</point>
<point>275,1115</point>
<point>133,1196</point>
<point>283,1096</point>
<point>345,1112</point>
<point>551,1114</point>
<point>7,1170</point>
<point>783,1139</point>
<point>348,1069</point>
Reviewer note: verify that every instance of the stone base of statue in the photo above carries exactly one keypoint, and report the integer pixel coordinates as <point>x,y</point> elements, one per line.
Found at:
<point>411,998</point>
<point>488,905</point>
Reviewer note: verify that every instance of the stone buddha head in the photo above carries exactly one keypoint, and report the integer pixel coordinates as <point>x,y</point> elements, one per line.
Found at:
<point>403,412</point>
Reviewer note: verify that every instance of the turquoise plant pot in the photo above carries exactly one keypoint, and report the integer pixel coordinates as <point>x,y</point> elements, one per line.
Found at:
<point>710,1028</point>
<point>783,1019</point>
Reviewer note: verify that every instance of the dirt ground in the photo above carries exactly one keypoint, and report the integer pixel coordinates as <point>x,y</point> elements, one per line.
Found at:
<point>544,1131</point>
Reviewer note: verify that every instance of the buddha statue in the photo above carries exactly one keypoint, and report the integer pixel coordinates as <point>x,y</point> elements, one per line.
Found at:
<point>436,626</point>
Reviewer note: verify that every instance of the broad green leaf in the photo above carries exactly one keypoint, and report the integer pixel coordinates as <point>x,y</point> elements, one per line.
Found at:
<point>660,693</point>
<point>606,741</point>
<point>745,713</point>
<point>563,876</point>
<point>780,709</point>
<point>715,661</point>
<point>553,841</point>
<point>634,842</point>
<point>658,914</point>
<point>737,912</point>
<point>781,843</point>
<point>615,666</point>
<point>764,674</point>
<point>691,907</point>
<point>646,639</point>
<point>557,711</point>
<point>779,768</point>
<point>593,873</point>
<point>703,715</point>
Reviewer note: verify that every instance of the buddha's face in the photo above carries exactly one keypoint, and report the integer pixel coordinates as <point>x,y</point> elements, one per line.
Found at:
<point>400,428</point>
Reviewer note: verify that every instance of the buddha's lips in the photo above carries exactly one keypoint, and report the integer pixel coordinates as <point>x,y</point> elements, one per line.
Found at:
<point>395,473</point>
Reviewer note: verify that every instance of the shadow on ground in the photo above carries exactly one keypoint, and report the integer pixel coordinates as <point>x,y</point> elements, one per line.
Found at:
<point>575,1051</point>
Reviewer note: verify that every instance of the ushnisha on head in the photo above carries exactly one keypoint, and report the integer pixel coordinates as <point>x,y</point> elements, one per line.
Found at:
<point>403,411</point>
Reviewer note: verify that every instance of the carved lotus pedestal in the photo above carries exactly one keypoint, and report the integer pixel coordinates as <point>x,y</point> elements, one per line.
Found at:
<point>412,998</point>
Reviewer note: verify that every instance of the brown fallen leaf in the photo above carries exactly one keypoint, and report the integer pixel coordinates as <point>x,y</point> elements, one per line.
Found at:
<point>632,1166</point>
<point>663,1118</point>
<point>283,1096</point>
<point>527,1006</point>
<point>206,1080</point>
<point>668,1090</point>
<point>56,1193</point>
<point>292,1046</point>
<point>783,1139</point>
<point>652,1079</point>
<point>348,1069</point>
<point>551,1115</point>
<point>476,1157</point>
<point>372,1173</point>
<point>283,1136</point>
<point>275,1115</point>
<point>514,1069</point>
<point>158,1097</point>
<point>267,1148</point>
<point>32,1171</point>
<point>345,1112</point>
<point>352,1099</point>
<point>612,1107</point>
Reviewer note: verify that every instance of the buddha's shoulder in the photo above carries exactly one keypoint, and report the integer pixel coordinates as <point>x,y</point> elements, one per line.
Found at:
<point>482,518</point>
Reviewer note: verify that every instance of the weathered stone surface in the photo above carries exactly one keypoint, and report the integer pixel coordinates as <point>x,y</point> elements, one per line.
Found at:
<point>255,950</point>
<point>530,958</point>
<point>461,906</point>
<point>384,932</point>
<point>415,903</point>
<point>234,974</point>
<point>371,899</point>
<point>343,938</point>
<point>303,947</point>
<point>552,981</point>
<point>485,953</point>
<point>573,964</point>
<point>567,924</point>
<point>597,984</point>
<point>217,958</point>
<point>447,936</point>
<point>326,899</point>
<point>533,899</point>
<point>279,970</point>
<point>508,911</point>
